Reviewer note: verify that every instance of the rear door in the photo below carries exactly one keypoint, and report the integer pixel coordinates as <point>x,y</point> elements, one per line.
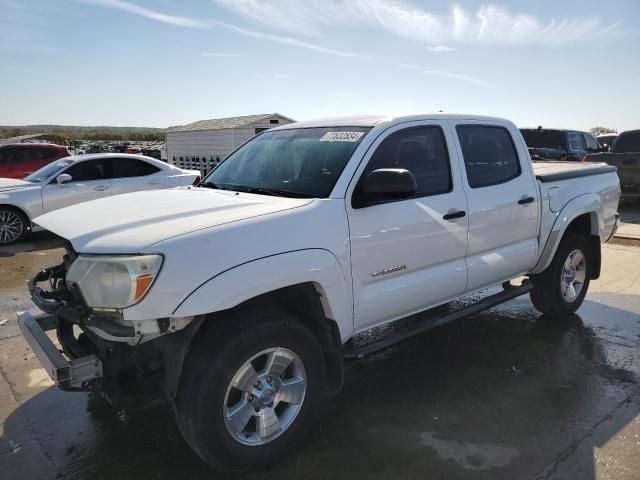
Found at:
<point>408,255</point>
<point>503,202</point>
<point>132,175</point>
<point>89,181</point>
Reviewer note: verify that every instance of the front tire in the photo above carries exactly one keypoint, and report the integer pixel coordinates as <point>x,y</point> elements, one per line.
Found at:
<point>14,225</point>
<point>250,389</point>
<point>560,289</point>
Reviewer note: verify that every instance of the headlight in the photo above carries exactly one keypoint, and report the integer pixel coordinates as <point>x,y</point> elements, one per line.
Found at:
<point>113,281</point>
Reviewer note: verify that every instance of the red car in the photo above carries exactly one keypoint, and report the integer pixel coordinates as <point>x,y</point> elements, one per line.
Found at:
<point>21,159</point>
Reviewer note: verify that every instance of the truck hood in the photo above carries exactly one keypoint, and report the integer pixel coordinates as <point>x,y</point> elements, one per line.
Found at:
<point>131,222</point>
<point>7,184</point>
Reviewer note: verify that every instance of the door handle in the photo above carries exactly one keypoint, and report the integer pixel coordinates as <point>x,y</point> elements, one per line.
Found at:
<point>526,200</point>
<point>452,215</point>
<point>101,188</point>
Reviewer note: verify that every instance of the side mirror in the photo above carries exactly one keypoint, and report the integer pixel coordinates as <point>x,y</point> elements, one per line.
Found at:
<point>63,178</point>
<point>389,184</point>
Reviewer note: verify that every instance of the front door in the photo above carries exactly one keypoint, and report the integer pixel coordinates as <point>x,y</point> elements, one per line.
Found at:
<point>408,255</point>
<point>89,181</point>
<point>503,201</point>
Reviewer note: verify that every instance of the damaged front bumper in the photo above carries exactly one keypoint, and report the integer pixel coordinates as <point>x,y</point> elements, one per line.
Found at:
<point>68,374</point>
<point>99,351</point>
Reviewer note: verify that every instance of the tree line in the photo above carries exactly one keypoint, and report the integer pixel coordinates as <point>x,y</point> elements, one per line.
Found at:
<point>89,134</point>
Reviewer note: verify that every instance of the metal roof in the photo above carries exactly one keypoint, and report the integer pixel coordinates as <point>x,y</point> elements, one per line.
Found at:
<point>223,123</point>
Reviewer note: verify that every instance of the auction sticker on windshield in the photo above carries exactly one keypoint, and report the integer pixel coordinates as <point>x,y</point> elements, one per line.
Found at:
<point>341,136</point>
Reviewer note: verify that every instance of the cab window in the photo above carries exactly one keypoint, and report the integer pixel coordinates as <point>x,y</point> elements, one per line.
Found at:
<point>490,157</point>
<point>592,143</point>
<point>88,170</point>
<point>422,151</point>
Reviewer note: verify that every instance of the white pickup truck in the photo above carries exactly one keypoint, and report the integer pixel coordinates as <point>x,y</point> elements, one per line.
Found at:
<point>244,297</point>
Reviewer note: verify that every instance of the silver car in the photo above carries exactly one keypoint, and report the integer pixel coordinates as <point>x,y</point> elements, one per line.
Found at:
<point>76,179</point>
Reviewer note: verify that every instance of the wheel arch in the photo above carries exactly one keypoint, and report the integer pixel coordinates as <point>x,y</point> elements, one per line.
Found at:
<point>320,299</point>
<point>18,208</point>
<point>582,215</point>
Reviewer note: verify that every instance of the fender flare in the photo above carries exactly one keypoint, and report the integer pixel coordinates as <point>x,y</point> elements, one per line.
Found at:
<point>584,204</point>
<point>248,280</point>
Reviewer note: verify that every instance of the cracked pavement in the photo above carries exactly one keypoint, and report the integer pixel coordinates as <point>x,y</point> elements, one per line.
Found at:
<point>503,394</point>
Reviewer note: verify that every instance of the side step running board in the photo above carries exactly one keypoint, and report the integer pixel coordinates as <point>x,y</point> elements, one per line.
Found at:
<point>353,352</point>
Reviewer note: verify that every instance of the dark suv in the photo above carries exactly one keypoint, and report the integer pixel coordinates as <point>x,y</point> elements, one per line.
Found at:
<point>22,159</point>
<point>554,144</point>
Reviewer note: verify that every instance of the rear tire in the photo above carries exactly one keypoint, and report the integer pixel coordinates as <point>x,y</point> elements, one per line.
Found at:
<point>234,407</point>
<point>14,225</point>
<point>560,289</point>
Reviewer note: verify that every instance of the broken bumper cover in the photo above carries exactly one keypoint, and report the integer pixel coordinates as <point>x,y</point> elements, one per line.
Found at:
<point>68,374</point>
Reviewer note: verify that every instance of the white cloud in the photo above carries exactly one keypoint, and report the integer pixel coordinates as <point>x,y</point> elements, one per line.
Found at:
<point>440,48</point>
<point>288,41</point>
<point>443,73</point>
<point>490,24</point>
<point>193,23</point>
<point>306,17</point>
<point>148,13</point>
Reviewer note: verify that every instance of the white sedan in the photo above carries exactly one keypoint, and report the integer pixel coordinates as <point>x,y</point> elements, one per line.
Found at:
<point>76,179</point>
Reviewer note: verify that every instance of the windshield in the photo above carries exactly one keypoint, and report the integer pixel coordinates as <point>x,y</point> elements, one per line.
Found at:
<point>544,139</point>
<point>304,162</point>
<point>47,171</point>
<point>606,140</point>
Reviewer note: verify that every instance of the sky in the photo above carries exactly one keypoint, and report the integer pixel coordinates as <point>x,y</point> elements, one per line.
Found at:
<point>157,63</point>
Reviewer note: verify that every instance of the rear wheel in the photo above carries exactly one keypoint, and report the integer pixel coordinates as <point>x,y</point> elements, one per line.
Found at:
<point>250,389</point>
<point>14,225</point>
<point>561,288</point>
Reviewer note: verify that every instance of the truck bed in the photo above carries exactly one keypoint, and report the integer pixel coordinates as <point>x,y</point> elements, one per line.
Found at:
<point>554,171</point>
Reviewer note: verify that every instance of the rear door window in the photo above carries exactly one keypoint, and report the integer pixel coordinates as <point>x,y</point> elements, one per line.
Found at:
<point>130,167</point>
<point>576,142</point>
<point>535,138</point>
<point>490,157</point>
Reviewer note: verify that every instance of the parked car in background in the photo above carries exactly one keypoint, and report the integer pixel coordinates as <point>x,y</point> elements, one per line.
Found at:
<point>78,179</point>
<point>21,159</point>
<point>559,144</point>
<point>625,156</point>
<point>607,139</point>
<point>242,298</point>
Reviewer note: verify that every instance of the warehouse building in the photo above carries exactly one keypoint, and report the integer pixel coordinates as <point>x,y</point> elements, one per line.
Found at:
<point>202,145</point>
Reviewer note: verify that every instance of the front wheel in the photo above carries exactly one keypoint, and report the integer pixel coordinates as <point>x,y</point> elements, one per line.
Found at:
<point>250,389</point>
<point>560,289</point>
<point>14,225</point>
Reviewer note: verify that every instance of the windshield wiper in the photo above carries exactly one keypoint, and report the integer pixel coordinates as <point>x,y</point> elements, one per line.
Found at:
<point>217,186</point>
<point>265,191</point>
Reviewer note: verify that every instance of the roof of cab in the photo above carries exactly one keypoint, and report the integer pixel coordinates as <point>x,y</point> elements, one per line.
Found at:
<point>373,120</point>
